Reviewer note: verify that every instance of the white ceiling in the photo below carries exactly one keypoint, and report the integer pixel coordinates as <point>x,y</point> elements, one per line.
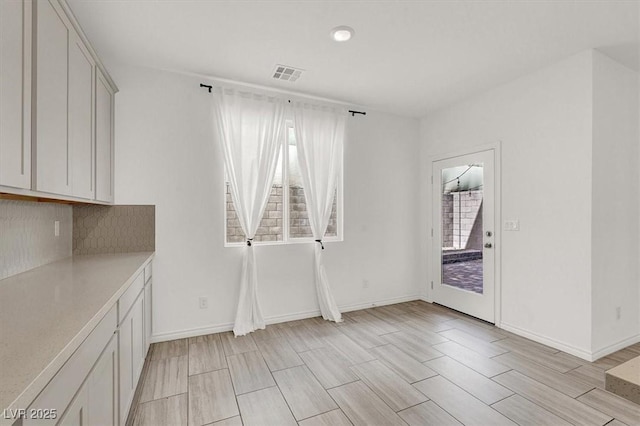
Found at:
<point>407,57</point>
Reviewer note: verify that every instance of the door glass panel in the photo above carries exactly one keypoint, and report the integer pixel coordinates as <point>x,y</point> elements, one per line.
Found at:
<point>462,233</point>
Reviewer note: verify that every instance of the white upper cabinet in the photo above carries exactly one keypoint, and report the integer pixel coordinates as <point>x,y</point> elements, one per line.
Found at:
<point>81,108</point>
<point>15,93</point>
<point>104,140</point>
<point>53,168</point>
<point>48,67</point>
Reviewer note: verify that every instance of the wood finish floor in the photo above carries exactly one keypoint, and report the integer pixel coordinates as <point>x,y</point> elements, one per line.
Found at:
<point>411,363</point>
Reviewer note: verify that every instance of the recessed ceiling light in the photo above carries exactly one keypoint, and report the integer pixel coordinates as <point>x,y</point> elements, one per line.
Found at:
<point>342,33</point>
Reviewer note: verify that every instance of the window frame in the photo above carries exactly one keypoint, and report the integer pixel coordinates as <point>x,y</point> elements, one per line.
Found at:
<point>286,238</point>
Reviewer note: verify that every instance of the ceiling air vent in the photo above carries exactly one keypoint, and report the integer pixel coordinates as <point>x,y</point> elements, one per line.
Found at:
<point>284,72</point>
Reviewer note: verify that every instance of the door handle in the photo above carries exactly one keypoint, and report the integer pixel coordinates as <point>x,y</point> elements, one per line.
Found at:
<point>488,245</point>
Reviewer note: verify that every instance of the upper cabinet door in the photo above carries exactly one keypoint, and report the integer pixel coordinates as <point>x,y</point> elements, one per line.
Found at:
<point>81,139</point>
<point>15,93</point>
<point>52,100</point>
<point>104,139</point>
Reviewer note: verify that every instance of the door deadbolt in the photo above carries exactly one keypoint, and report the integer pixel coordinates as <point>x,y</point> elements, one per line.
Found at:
<point>488,233</point>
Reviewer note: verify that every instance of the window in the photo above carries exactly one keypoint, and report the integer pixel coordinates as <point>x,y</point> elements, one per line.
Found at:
<point>285,219</point>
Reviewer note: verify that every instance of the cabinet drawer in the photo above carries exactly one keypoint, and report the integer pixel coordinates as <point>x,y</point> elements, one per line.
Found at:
<point>61,389</point>
<point>126,300</point>
<point>148,270</point>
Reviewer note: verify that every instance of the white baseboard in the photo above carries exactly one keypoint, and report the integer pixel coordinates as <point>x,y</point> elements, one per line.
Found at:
<point>580,353</point>
<point>615,347</point>
<point>218,328</point>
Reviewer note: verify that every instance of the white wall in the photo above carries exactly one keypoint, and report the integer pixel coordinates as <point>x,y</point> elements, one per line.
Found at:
<point>615,255</point>
<point>543,121</point>
<point>165,155</point>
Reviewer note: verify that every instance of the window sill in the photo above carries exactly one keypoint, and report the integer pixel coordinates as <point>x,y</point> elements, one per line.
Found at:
<point>286,243</point>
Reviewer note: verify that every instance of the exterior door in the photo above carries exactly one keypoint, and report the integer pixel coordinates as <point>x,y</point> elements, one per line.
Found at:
<point>464,233</point>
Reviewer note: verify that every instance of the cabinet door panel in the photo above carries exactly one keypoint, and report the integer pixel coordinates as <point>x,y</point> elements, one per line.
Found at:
<point>15,90</point>
<point>104,140</point>
<point>76,412</point>
<point>103,388</point>
<point>148,314</point>
<point>52,146</point>
<point>138,339</point>
<point>125,351</point>
<point>81,69</point>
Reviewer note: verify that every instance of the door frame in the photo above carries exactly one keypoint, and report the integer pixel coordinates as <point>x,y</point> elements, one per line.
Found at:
<point>497,148</point>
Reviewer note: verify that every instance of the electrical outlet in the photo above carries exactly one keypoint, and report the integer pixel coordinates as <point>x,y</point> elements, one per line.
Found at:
<point>203,302</point>
<point>511,225</point>
<point>618,312</point>
<point>365,283</point>
<point>56,228</point>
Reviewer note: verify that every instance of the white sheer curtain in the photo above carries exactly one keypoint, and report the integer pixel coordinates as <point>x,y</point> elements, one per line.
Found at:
<point>250,129</point>
<point>320,138</point>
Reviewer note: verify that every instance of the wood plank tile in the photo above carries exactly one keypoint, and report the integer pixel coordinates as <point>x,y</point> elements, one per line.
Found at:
<point>472,359</point>
<point>329,366</point>
<point>270,332</point>
<point>482,333</point>
<point>353,352</point>
<point>402,364</point>
<point>408,343</point>
<point>278,353</point>
<point>362,406</point>
<point>616,358</point>
<point>379,326</point>
<point>304,394</point>
<point>170,349</point>
<point>550,399</point>
<point>265,407</point>
<point>166,411</point>
<point>473,382</point>
<point>425,324</point>
<point>552,378</point>
<point>428,413</point>
<point>211,398</point>
<point>543,358</point>
<point>461,405</point>
<point>395,391</point>
<point>529,344</point>
<point>421,332</point>
<point>526,413</point>
<point>236,345</point>
<point>588,374</point>
<point>615,422</point>
<point>232,421</point>
<point>613,405</point>
<point>206,354</point>
<point>165,377</point>
<point>302,338</point>
<point>332,418</point>
<point>362,334</point>
<point>473,343</point>
<point>386,315</point>
<point>249,372</point>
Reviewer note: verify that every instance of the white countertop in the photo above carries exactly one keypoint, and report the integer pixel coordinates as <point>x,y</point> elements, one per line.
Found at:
<point>47,312</point>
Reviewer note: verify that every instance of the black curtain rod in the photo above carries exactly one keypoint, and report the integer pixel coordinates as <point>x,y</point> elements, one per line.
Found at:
<point>353,113</point>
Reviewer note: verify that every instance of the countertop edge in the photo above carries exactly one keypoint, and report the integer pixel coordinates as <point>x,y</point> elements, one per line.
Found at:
<point>28,395</point>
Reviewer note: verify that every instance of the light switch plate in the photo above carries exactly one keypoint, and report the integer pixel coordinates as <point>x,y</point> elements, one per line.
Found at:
<point>56,228</point>
<point>511,225</point>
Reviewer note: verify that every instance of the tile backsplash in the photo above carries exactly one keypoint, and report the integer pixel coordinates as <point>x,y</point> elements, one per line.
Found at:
<point>113,229</point>
<point>27,237</point>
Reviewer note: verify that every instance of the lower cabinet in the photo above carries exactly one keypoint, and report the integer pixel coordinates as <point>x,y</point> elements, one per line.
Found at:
<point>96,385</point>
<point>77,412</point>
<point>96,402</point>
<point>131,354</point>
<point>103,388</point>
<point>147,315</point>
